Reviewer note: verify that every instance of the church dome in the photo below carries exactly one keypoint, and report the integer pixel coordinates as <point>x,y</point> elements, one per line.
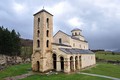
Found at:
<point>76,29</point>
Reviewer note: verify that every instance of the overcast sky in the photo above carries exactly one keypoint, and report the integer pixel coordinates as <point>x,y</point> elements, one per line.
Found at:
<point>99,19</point>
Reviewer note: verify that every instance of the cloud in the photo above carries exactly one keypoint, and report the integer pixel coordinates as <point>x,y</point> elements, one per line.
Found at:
<point>60,8</point>
<point>99,19</point>
<point>75,22</point>
<point>18,7</point>
<point>110,8</point>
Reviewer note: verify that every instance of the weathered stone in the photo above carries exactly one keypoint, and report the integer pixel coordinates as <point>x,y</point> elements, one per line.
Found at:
<point>48,53</point>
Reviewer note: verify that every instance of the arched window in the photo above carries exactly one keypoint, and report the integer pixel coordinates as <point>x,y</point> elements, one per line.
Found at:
<point>38,22</point>
<point>47,33</point>
<point>47,43</point>
<point>38,33</point>
<point>60,40</point>
<point>38,43</point>
<point>47,23</point>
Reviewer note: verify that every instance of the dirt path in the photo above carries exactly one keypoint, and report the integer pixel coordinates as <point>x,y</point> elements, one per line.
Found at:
<point>112,78</point>
<point>18,77</point>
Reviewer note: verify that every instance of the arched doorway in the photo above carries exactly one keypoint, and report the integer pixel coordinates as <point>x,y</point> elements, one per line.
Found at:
<point>71,64</point>
<point>62,63</point>
<point>76,62</point>
<point>80,61</point>
<point>38,66</point>
<point>54,61</point>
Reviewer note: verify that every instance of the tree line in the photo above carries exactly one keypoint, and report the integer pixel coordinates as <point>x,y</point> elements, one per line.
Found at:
<point>9,42</point>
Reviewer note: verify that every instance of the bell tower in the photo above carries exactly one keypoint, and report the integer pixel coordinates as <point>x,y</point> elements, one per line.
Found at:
<point>43,37</point>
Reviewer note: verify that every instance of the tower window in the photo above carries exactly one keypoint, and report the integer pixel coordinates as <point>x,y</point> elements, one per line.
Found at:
<point>47,43</point>
<point>38,43</point>
<point>38,33</point>
<point>60,40</point>
<point>47,33</point>
<point>38,22</point>
<point>47,23</point>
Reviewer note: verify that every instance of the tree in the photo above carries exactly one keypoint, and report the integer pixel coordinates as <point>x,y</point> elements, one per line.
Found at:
<point>9,42</point>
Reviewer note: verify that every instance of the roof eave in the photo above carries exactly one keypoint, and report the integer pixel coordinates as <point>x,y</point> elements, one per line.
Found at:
<point>43,10</point>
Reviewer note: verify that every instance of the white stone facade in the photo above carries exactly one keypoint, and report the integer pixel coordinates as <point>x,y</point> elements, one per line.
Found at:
<point>61,52</point>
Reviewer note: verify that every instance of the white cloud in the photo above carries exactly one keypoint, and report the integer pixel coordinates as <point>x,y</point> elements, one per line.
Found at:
<point>110,8</point>
<point>60,8</point>
<point>19,8</point>
<point>75,22</point>
<point>98,16</point>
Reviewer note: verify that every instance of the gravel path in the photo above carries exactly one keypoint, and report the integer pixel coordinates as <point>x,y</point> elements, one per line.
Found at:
<point>112,78</point>
<point>18,77</point>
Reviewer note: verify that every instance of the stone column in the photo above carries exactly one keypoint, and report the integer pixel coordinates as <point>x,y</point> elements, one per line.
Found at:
<point>66,65</point>
<point>74,63</point>
<point>58,65</point>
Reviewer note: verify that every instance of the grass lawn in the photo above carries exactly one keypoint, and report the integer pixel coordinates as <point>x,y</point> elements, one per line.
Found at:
<point>107,56</point>
<point>101,68</point>
<point>14,70</point>
<point>63,77</point>
<point>105,69</point>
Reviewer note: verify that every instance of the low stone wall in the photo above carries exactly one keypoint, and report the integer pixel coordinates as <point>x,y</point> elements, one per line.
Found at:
<point>11,60</point>
<point>3,59</point>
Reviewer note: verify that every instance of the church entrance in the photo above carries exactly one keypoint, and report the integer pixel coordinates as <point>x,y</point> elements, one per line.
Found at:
<point>38,66</point>
<point>54,61</point>
<point>62,63</point>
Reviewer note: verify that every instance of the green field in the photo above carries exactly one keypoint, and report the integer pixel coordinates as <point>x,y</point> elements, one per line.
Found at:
<point>14,70</point>
<point>107,56</point>
<point>63,77</point>
<point>101,68</point>
<point>105,69</point>
<point>23,68</point>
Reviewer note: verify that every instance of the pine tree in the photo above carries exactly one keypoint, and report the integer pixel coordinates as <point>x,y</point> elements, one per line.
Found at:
<point>9,42</point>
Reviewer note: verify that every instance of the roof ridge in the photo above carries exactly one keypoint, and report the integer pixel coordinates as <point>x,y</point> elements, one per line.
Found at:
<point>63,32</point>
<point>43,10</point>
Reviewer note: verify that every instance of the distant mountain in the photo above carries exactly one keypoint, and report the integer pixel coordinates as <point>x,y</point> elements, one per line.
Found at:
<point>117,50</point>
<point>26,42</point>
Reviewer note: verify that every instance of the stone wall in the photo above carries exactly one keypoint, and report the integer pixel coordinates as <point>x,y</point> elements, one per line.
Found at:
<point>11,60</point>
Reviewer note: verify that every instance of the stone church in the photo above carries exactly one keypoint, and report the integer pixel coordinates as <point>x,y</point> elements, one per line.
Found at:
<point>61,52</point>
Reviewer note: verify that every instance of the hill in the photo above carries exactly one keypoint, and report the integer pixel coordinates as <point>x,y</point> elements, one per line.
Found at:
<point>116,51</point>
<point>26,42</point>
